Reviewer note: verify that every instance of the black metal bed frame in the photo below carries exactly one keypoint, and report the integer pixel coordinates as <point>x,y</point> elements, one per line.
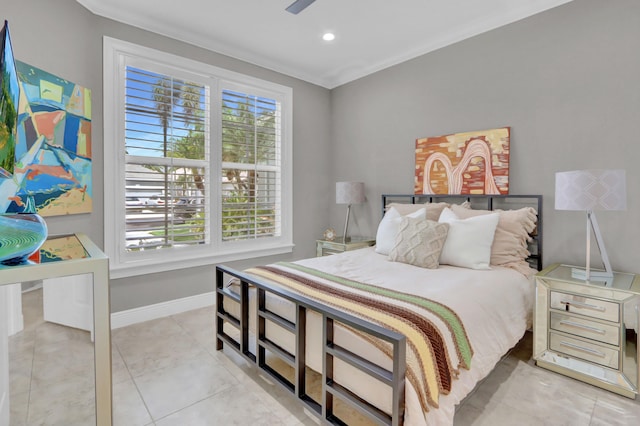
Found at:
<point>330,350</point>
<point>331,388</point>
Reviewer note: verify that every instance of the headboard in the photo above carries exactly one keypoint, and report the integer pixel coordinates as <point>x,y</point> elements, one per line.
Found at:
<point>485,202</point>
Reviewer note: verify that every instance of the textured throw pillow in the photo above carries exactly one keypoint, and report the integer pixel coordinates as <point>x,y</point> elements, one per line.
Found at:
<point>388,229</point>
<point>469,240</point>
<point>512,235</point>
<point>419,242</point>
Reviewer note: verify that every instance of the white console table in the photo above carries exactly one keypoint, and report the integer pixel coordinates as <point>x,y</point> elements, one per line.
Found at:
<point>83,257</point>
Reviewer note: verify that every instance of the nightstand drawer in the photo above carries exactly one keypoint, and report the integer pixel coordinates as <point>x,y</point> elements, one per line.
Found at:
<point>572,324</point>
<point>326,251</point>
<point>594,308</point>
<point>584,350</point>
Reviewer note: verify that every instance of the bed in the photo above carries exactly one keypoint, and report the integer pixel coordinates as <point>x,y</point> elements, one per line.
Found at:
<point>393,339</point>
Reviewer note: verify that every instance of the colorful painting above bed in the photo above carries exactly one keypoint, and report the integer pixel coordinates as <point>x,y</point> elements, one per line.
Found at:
<point>463,163</point>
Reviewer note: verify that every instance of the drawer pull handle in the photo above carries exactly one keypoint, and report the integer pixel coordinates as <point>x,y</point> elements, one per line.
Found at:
<point>583,349</point>
<point>584,305</point>
<point>584,327</point>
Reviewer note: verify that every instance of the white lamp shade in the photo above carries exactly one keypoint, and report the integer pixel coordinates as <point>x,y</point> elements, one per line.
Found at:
<point>594,189</point>
<point>349,192</point>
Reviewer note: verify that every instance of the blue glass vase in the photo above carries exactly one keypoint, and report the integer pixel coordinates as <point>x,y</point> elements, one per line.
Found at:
<point>21,234</point>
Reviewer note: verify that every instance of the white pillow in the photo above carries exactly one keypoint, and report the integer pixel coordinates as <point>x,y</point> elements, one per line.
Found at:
<point>469,240</point>
<point>389,228</point>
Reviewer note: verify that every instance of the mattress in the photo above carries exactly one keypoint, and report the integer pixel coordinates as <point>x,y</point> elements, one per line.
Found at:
<point>495,307</point>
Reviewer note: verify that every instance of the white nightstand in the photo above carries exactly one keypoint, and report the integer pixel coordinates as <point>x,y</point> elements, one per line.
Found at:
<point>325,248</point>
<point>588,330</point>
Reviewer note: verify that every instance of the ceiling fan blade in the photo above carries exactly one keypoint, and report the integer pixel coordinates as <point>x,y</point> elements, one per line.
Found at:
<point>298,6</point>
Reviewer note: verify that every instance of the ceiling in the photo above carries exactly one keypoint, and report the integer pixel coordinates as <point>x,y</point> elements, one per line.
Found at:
<point>370,34</point>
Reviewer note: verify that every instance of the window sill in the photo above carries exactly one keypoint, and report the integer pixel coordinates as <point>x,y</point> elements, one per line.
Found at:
<point>133,269</point>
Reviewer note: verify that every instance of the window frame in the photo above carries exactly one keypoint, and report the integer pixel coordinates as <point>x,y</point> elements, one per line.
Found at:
<point>116,55</point>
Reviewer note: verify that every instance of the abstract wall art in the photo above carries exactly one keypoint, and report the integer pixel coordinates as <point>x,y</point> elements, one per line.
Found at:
<point>463,163</point>
<point>9,96</point>
<point>53,150</point>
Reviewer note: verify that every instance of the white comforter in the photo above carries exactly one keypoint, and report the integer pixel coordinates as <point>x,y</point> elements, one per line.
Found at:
<point>495,307</point>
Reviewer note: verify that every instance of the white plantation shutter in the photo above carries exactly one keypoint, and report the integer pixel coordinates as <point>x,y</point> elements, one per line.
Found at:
<point>166,161</point>
<point>198,163</point>
<point>251,166</point>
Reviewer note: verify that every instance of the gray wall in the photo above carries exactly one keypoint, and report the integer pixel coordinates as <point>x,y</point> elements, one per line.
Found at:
<point>63,38</point>
<point>567,81</point>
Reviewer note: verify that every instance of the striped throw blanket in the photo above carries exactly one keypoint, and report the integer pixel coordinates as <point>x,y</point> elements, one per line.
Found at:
<point>437,343</point>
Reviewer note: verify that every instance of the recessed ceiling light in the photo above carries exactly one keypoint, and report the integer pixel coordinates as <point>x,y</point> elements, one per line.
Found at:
<point>328,36</point>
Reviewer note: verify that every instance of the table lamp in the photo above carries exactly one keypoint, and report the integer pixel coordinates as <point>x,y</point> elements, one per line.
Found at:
<point>349,193</point>
<point>590,190</point>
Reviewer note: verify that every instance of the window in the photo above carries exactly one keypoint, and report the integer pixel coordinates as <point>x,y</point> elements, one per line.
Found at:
<point>165,161</point>
<point>250,167</point>
<point>197,163</point>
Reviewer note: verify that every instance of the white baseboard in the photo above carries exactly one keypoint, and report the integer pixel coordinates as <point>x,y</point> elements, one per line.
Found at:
<point>160,310</point>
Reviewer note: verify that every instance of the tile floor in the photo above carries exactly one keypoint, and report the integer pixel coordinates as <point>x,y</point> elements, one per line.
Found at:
<point>167,372</point>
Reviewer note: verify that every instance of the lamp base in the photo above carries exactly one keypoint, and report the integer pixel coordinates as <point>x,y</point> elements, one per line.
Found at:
<point>598,276</point>
<point>345,237</point>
